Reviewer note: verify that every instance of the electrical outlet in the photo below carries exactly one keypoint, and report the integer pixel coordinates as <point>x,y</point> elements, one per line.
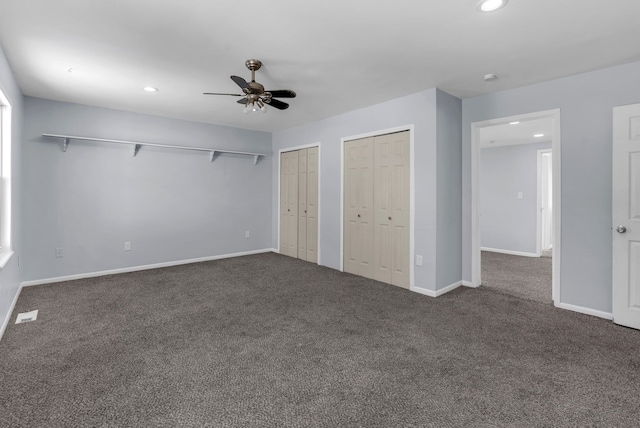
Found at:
<point>58,252</point>
<point>519,195</point>
<point>127,246</point>
<point>247,234</point>
<point>418,260</point>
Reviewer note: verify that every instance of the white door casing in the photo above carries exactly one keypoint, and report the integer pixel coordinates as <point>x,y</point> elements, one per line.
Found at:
<point>626,215</point>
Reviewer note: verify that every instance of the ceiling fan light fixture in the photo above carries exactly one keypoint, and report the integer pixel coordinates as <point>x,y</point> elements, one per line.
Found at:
<point>491,5</point>
<point>255,97</point>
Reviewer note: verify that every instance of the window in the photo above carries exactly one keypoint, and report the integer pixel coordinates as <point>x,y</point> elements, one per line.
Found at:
<point>5,179</point>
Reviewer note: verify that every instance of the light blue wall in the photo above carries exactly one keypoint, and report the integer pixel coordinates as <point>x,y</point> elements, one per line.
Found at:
<point>10,275</point>
<point>585,102</point>
<point>418,110</point>
<point>449,190</point>
<point>506,222</point>
<point>170,204</point>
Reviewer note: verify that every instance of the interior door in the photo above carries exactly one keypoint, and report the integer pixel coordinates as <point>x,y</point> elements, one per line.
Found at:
<point>292,210</point>
<point>358,207</point>
<point>312,204</point>
<point>284,202</point>
<point>302,204</point>
<point>383,203</point>
<point>626,215</point>
<point>391,200</point>
<point>289,204</point>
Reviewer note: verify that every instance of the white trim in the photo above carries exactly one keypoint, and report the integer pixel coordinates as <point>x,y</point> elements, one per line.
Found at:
<point>513,253</point>
<point>476,273</point>
<point>586,311</point>
<point>436,293</point>
<point>5,256</point>
<point>424,291</point>
<point>6,146</point>
<point>144,267</point>
<point>293,149</point>
<point>5,323</point>
<point>468,284</point>
<point>412,196</point>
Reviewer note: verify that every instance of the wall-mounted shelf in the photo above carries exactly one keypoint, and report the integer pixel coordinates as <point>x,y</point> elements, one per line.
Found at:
<point>137,145</point>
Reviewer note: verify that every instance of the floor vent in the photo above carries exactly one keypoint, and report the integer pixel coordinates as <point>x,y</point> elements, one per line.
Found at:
<point>27,316</point>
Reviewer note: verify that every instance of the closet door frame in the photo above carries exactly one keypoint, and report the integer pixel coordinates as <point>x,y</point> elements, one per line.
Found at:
<point>412,204</point>
<point>293,149</point>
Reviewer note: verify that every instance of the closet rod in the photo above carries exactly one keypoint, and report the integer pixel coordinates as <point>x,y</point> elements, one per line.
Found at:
<point>137,144</point>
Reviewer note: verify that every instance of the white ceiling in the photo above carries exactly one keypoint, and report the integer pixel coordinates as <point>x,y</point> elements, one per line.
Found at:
<point>337,55</point>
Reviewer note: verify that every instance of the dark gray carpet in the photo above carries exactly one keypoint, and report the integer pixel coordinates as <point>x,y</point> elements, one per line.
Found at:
<point>267,340</point>
<point>524,277</point>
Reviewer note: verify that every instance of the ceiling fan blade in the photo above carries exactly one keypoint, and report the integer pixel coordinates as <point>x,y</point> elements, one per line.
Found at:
<point>240,81</point>
<point>278,104</point>
<point>217,93</point>
<point>242,100</point>
<point>283,93</point>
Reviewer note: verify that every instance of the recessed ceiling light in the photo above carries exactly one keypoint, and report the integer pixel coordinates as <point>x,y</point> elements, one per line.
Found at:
<point>150,89</point>
<point>514,123</point>
<point>490,77</point>
<point>491,5</point>
<point>538,135</point>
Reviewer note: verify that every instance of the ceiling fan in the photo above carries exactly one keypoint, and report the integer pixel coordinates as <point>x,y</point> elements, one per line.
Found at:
<point>255,98</point>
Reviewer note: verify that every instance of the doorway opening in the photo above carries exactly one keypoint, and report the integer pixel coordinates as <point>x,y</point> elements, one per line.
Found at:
<point>515,208</point>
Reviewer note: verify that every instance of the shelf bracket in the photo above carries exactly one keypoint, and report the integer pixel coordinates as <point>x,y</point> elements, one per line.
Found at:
<point>212,156</point>
<point>136,149</point>
<point>255,159</point>
<point>65,143</point>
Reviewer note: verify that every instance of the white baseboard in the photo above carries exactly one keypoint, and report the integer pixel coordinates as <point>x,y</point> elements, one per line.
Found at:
<point>513,253</point>
<point>587,311</point>
<point>5,323</point>
<point>424,291</point>
<point>436,293</point>
<point>468,284</point>
<point>144,267</point>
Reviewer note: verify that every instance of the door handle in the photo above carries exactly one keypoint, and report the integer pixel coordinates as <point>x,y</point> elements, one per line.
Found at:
<point>621,229</point>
